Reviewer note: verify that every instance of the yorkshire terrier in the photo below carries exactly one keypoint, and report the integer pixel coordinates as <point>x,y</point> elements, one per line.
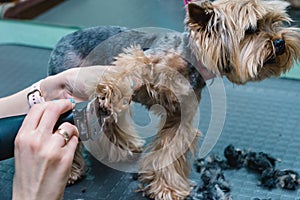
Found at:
<point>243,40</point>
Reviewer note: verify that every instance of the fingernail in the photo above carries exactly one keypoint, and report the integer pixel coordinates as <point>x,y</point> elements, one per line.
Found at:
<point>71,100</point>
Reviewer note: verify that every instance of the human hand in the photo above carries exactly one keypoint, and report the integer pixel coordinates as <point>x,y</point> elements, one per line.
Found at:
<point>43,159</point>
<point>72,83</point>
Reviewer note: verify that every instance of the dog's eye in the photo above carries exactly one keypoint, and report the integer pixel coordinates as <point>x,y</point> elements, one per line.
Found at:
<point>251,30</point>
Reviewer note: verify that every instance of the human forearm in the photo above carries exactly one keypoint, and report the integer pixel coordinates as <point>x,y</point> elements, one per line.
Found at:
<point>51,88</point>
<point>15,104</point>
<point>68,84</point>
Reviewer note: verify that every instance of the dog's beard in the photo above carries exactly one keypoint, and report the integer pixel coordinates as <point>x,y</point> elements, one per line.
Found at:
<point>253,58</point>
<point>244,42</point>
<point>260,59</point>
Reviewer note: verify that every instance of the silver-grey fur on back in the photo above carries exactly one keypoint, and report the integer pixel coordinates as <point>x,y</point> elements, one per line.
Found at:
<point>87,47</point>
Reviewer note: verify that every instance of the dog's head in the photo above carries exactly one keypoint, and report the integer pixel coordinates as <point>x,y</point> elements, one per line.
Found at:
<point>245,40</point>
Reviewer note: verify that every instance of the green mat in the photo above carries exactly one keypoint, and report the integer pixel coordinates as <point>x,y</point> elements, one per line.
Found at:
<point>46,36</point>
<point>32,34</point>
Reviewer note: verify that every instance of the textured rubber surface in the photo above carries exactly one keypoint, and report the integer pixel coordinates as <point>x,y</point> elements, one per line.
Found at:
<point>21,66</point>
<point>261,116</point>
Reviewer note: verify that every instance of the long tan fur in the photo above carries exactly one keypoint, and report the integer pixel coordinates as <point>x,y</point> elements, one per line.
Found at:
<point>243,40</point>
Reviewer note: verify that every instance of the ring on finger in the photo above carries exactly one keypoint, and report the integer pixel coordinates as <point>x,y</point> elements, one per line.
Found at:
<point>63,133</point>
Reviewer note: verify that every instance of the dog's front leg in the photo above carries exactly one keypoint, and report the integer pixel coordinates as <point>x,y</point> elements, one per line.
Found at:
<point>119,141</point>
<point>165,168</point>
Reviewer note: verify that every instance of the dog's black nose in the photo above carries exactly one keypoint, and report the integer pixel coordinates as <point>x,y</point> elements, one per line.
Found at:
<point>279,45</point>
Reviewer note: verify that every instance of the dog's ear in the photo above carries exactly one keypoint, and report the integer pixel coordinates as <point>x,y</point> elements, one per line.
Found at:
<point>200,14</point>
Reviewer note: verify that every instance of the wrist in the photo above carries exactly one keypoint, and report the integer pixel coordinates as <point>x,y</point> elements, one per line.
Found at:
<point>44,85</point>
<point>35,95</point>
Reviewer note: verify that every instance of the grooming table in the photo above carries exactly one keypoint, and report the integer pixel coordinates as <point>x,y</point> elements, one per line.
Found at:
<point>262,116</point>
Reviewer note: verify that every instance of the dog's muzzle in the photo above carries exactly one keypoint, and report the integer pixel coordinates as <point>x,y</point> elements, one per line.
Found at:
<point>279,45</point>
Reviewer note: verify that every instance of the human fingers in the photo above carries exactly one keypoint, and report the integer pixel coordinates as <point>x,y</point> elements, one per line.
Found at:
<point>67,149</point>
<point>33,117</point>
<point>70,148</point>
<point>62,136</point>
<point>37,115</point>
<point>52,112</point>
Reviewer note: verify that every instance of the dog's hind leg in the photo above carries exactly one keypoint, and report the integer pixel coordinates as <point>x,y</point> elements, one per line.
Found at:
<point>78,165</point>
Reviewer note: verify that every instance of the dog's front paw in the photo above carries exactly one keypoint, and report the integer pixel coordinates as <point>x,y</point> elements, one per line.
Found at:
<point>165,194</point>
<point>78,166</point>
<point>160,185</point>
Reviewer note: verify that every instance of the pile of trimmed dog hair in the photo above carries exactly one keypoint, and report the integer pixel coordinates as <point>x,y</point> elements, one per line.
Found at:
<point>214,186</point>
